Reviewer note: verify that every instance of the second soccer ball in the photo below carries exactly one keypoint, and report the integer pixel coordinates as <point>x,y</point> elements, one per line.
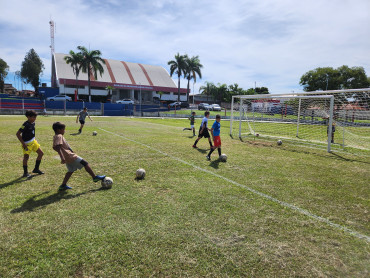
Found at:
<point>279,142</point>
<point>95,133</point>
<point>140,174</point>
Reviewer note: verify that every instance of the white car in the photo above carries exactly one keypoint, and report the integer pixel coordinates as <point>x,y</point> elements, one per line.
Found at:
<point>125,101</point>
<point>59,97</point>
<point>175,104</point>
<point>215,107</point>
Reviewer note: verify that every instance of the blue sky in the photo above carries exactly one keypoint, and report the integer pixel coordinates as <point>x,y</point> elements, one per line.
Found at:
<point>263,42</point>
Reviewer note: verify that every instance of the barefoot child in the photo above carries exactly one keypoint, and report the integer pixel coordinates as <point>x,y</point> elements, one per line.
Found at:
<point>26,135</point>
<point>68,157</point>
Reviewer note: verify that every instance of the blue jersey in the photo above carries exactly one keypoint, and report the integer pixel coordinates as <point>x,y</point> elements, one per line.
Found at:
<point>216,128</point>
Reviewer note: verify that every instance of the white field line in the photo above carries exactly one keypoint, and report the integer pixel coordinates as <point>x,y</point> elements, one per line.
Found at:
<point>263,195</point>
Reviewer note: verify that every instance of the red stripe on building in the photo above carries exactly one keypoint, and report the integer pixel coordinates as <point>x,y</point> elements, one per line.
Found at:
<point>110,71</point>
<point>146,74</point>
<point>129,73</point>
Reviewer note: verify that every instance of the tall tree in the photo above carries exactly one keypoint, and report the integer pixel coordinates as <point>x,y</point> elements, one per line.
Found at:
<point>91,62</point>
<point>32,68</point>
<point>4,68</point>
<point>177,66</point>
<point>192,69</point>
<point>75,59</point>
<point>328,78</point>
<point>207,89</point>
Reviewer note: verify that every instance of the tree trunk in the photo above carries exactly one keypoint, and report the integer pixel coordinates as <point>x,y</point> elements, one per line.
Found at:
<point>178,94</point>
<point>88,82</point>
<point>77,86</point>
<point>187,91</point>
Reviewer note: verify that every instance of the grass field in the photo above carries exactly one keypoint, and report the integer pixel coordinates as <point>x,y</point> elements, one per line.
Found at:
<point>268,211</point>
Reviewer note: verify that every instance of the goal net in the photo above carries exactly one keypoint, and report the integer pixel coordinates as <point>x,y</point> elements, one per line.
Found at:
<point>338,120</point>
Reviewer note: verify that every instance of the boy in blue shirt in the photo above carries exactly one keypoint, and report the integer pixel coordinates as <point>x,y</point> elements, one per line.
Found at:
<point>26,135</point>
<point>203,130</point>
<point>215,131</point>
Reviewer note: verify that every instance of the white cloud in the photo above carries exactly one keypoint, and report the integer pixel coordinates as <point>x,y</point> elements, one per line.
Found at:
<point>268,42</point>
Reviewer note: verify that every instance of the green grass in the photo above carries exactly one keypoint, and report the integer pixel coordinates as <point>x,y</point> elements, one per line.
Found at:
<point>180,220</point>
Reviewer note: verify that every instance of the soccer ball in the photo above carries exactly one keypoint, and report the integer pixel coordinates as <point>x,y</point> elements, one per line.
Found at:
<point>140,174</point>
<point>107,182</point>
<point>223,157</point>
<point>257,134</point>
<point>279,142</point>
<point>95,133</point>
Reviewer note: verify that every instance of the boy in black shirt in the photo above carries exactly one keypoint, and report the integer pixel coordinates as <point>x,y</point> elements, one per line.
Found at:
<point>26,135</point>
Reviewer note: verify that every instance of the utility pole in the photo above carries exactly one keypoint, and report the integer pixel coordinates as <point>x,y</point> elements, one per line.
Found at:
<point>52,49</point>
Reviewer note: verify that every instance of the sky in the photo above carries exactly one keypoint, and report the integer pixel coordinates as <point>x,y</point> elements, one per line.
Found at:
<point>252,43</point>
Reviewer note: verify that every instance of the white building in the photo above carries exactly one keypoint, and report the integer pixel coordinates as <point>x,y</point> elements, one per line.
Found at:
<point>129,80</point>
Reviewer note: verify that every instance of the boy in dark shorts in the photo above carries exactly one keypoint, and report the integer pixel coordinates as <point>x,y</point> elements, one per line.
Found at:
<point>68,157</point>
<point>215,131</point>
<point>26,135</point>
<point>81,117</point>
<point>203,130</point>
<point>192,121</point>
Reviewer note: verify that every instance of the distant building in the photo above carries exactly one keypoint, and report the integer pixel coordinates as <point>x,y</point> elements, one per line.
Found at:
<point>9,89</point>
<point>128,80</point>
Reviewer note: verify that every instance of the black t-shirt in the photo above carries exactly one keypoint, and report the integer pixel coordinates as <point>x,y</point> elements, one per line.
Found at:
<point>28,131</point>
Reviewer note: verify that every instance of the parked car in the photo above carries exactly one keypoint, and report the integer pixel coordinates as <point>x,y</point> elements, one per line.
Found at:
<point>125,101</point>
<point>175,104</point>
<point>203,106</point>
<point>215,107</point>
<point>59,97</point>
<point>184,104</point>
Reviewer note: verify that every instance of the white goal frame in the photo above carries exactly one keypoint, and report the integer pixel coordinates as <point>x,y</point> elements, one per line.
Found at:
<point>299,96</point>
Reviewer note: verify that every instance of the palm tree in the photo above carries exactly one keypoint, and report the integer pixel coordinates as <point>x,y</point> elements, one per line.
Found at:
<point>91,61</point>
<point>109,89</point>
<point>207,89</point>
<point>192,69</point>
<point>178,65</point>
<point>75,60</point>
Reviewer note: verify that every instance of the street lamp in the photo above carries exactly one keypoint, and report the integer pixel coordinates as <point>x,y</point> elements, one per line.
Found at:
<point>141,112</point>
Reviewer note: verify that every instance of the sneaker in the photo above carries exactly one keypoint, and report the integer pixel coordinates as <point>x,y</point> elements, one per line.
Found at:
<point>38,172</point>
<point>183,129</point>
<point>98,178</point>
<point>26,175</point>
<point>64,187</point>
<point>208,157</point>
<point>195,147</point>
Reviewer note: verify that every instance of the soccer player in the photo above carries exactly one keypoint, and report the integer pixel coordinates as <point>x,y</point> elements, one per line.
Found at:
<point>192,121</point>
<point>82,116</point>
<point>215,131</point>
<point>203,130</point>
<point>68,157</point>
<point>26,135</point>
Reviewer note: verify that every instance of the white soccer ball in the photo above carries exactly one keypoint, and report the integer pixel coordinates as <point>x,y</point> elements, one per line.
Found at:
<point>223,157</point>
<point>257,134</point>
<point>107,182</point>
<point>279,142</point>
<point>140,174</point>
<point>95,133</point>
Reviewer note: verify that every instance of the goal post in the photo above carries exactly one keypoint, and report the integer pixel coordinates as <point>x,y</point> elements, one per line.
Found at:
<point>338,120</point>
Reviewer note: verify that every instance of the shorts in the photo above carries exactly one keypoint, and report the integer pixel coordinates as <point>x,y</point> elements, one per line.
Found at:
<point>82,122</point>
<point>205,133</point>
<point>217,141</point>
<point>32,147</point>
<point>79,163</point>
<point>191,126</point>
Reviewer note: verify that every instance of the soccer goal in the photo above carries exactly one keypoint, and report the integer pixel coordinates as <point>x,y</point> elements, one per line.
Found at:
<point>331,119</point>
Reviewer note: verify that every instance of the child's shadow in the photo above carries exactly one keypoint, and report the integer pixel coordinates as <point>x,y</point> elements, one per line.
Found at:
<point>74,134</point>
<point>17,180</point>
<point>215,163</point>
<point>202,151</point>
<point>32,204</point>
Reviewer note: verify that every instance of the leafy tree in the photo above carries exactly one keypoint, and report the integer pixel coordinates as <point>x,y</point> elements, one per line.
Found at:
<point>207,89</point>
<point>178,66</point>
<point>4,68</point>
<point>328,78</point>
<point>75,59</point>
<point>160,93</point>
<point>109,89</point>
<point>32,68</point>
<point>262,90</point>
<point>91,61</point>
<point>191,71</point>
